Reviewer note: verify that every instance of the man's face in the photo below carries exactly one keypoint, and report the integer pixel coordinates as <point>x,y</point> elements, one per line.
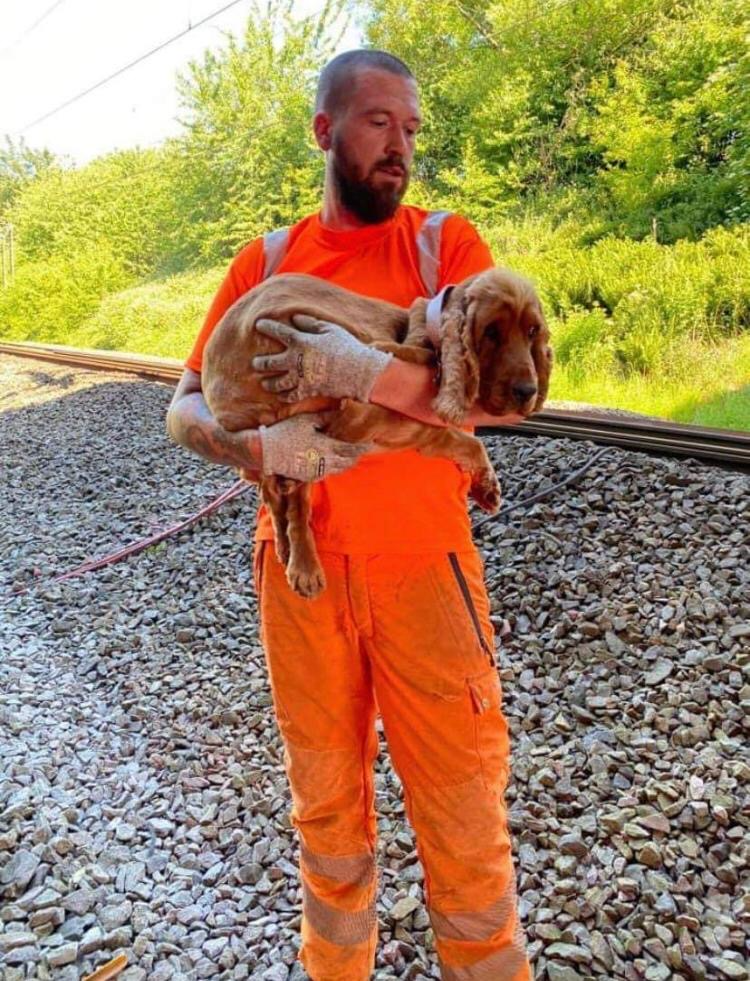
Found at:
<point>372,144</point>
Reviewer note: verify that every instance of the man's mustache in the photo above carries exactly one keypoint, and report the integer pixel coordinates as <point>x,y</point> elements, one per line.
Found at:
<point>392,162</point>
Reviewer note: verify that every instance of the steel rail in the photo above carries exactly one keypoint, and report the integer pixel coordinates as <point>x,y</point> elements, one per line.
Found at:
<point>641,433</point>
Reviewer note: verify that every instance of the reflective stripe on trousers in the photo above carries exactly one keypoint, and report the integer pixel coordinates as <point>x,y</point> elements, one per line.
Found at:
<point>408,637</point>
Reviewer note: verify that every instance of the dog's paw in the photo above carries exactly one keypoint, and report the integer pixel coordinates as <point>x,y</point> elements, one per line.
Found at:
<point>282,550</point>
<point>485,490</point>
<point>306,582</point>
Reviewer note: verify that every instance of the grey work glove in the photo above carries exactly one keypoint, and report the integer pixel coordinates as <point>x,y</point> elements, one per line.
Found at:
<point>296,448</point>
<point>328,361</point>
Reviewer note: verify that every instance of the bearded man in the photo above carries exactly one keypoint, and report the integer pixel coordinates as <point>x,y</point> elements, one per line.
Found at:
<point>402,630</point>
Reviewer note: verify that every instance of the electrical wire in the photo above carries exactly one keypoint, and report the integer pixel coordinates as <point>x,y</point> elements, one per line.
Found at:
<point>125,68</point>
<point>33,27</point>
<point>241,487</point>
<point>91,565</point>
<point>541,495</point>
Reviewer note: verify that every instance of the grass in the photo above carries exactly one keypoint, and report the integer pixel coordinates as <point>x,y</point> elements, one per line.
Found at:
<point>708,385</point>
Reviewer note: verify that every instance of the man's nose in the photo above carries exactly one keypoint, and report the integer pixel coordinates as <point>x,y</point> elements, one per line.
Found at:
<point>397,142</point>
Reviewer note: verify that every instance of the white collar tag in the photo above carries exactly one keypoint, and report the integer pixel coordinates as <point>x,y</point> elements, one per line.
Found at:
<point>432,316</point>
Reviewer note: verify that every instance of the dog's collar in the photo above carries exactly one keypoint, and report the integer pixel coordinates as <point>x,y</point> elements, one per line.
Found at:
<point>432,315</point>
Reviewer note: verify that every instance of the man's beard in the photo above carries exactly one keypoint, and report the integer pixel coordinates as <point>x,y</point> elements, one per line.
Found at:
<point>362,198</point>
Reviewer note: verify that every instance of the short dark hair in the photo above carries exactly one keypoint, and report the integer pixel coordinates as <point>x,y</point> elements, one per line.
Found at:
<point>338,75</point>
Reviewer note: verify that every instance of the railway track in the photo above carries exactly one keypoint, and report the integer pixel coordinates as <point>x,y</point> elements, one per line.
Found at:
<point>642,433</point>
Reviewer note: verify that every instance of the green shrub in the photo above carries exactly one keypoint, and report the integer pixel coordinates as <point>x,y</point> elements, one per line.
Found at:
<point>160,318</point>
<point>49,299</point>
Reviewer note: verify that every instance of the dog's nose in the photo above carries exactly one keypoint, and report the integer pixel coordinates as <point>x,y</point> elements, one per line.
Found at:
<point>523,391</point>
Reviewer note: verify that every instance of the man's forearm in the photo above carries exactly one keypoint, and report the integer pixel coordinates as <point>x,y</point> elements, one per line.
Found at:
<point>191,424</point>
<point>410,388</point>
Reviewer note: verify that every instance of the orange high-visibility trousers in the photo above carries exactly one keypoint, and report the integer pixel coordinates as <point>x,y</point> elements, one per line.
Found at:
<point>408,637</point>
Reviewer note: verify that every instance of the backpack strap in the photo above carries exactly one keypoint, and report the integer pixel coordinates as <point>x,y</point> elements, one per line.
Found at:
<point>428,249</point>
<point>274,250</point>
<point>433,313</point>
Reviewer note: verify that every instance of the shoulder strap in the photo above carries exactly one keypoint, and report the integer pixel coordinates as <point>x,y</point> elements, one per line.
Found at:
<point>428,249</point>
<point>274,250</point>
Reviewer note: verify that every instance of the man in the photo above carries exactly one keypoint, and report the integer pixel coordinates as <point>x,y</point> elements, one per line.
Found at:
<point>403,625</point>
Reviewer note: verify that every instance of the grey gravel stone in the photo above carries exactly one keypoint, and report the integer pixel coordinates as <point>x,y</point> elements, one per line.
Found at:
<point>18,872</point>
<point>142,784</point>
<point>562,972</point>
<point>65,954</point>
<point>22,955</point>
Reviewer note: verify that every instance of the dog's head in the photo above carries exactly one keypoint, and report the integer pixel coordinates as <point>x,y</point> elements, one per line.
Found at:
<point>495,323</point>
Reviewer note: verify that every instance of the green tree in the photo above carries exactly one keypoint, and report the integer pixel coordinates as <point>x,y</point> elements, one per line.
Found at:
<point>672,125</point>
<point>124,196</point>
<point>247,162</point>
<point>19,165</point>
<point>626,109</point>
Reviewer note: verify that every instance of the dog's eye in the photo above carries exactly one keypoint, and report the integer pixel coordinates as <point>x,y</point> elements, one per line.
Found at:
<point>533,331</point>
<point>492,333</point>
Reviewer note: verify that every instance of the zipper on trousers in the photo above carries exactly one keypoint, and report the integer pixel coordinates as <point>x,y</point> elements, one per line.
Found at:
<point>259,589</point>
<point>464,587</point>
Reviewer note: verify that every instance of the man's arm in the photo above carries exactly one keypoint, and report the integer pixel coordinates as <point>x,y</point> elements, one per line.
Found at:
<point>333,362</point>
<point>295,447</point>
<point>410,388</point>
<point>190,424</point>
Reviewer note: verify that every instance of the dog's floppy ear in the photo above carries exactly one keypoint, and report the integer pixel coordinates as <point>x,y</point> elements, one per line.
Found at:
<point>468,351</point>
<point>459,381</point>
<point>541,352</point>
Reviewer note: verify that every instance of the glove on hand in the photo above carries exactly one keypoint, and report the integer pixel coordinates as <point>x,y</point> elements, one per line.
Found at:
<point>295,448</point>
<point>328,361</point>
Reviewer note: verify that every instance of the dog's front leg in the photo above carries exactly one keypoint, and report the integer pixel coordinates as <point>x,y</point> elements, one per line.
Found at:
<point>304,572</point>
<point>470,455</point>
<point>407,352</point>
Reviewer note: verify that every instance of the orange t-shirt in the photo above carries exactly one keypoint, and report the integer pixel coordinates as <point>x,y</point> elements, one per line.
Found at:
<point>399,501</point>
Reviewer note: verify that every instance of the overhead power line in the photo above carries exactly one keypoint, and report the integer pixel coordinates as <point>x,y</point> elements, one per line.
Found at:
<point>125,68</point>
<point>33,27</point>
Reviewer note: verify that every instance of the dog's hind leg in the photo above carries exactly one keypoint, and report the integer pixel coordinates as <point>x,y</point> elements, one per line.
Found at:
<point>357,422</point>
<point>274,494</point>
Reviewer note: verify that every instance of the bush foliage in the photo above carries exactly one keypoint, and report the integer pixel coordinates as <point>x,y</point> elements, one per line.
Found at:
<point>602,148</point>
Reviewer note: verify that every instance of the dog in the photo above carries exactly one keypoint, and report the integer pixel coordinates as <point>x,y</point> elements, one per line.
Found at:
<point>492,349</point>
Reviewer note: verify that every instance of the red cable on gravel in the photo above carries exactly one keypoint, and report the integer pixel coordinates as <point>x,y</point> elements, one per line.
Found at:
<point>236,490</point>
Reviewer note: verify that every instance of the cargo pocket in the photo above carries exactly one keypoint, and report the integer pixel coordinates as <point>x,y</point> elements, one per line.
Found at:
<point>491,736</point>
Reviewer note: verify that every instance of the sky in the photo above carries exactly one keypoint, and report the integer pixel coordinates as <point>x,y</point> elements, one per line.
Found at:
<point>80,42</point>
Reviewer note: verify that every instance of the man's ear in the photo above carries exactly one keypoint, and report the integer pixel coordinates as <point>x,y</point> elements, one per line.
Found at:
<point>323,130</point>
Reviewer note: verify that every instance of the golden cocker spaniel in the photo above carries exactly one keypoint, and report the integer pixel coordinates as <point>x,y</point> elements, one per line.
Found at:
<point>491,350</point>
